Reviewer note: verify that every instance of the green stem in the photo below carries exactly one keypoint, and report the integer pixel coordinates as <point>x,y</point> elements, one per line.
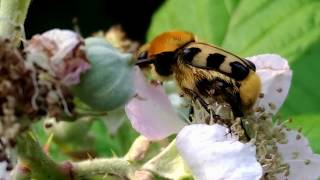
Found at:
<point>114,166</point>
<point>12,15</point>
<point>32,156</point>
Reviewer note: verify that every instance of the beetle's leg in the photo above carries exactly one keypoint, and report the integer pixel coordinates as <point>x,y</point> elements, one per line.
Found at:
<point>203,103</point>
<point>195,97</point>
<point>191,113</point>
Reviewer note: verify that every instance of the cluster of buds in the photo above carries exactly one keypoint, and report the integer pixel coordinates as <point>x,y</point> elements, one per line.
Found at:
<point>34,82</point>
<point>17,93</point>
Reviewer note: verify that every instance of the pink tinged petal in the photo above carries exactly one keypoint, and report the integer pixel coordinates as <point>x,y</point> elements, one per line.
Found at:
<point>151,112</point>
<point>275,75</point>
<point>61,53</point>
<point>303,163</point>
<point>65,41</point>
<point>74,71</point>
<point>212,153</point>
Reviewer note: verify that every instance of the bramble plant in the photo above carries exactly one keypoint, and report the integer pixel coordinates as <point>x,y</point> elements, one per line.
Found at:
<point>78,108</point>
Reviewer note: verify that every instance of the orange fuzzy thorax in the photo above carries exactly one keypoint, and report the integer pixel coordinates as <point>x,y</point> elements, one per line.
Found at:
<point>169,41</point>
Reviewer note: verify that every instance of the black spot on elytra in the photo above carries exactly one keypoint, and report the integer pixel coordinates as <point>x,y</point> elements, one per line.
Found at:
<point>189,53</point>
<point>163,63</point>
<point>215,60</point>
<point>239,71</point>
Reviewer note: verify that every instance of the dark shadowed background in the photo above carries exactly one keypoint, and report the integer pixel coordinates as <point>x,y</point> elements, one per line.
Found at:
<point>91,15</point>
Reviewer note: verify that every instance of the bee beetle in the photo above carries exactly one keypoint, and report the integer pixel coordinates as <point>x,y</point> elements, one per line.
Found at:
<point>202,70</point>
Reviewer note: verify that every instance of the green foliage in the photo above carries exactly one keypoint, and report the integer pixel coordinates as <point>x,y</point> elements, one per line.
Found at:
<point>42,137</point>
<point>286,27</point>
<point>109,145</point>
<point>310,128</point>
<point>32,155</point>
<point>105,145</point>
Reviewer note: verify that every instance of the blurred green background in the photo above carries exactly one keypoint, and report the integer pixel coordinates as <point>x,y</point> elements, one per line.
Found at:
<point>290,28</point>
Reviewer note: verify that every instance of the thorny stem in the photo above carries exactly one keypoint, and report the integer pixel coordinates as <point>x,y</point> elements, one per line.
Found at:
<point>12,16</point>
<point>113,166</point>
<point>41,166</point>
<point>32,156</point>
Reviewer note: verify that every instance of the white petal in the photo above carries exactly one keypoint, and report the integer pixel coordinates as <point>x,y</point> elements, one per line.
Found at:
<point>275,75</point>
<point>304,164</point>
<point>211,153</point>
<point>65,39</point>
<point>4,174</point>
<point>151,112</point>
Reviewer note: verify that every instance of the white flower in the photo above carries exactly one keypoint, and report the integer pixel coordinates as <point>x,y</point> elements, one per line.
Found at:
<point>212,153</point>
<point>303,163</point>
<point>275,75</point>
<point>4,173</point>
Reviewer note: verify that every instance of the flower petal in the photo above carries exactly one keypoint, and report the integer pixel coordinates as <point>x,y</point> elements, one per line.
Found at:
<point>275,75</point>
<point>151,112</point>
<point>303,163</point>
<point>212,153</point>
<point>60,52</point>
<point>168,164</point>
<point>4,173</point>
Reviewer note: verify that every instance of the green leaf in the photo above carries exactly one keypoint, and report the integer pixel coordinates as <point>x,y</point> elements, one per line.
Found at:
<point>104,144</point>
<point>208,19</point>
<point>246,27</point>
<point>31,154</point>
<point>286,27</point>
<point>109,145</point>
<point>54,150</point>
<point>304,96</point>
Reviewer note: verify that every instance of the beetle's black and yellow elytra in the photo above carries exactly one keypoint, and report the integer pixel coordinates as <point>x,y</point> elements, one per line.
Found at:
<point>202,70</point>
<point>209,57</point>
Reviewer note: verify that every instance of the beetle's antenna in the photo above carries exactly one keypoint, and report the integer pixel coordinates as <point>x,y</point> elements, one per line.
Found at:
<point>144,61</point>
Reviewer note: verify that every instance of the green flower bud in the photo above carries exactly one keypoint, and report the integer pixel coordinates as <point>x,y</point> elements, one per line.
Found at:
<point>109,82</point>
